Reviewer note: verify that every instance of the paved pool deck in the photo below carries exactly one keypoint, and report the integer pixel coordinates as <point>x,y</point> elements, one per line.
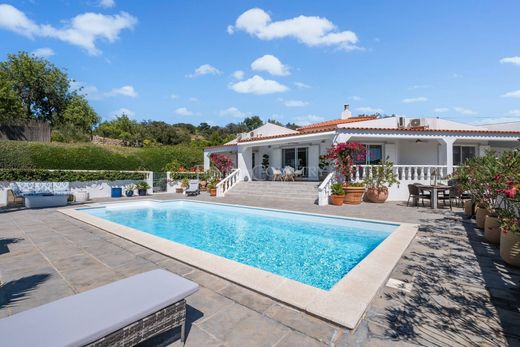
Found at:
<point>450,288</point>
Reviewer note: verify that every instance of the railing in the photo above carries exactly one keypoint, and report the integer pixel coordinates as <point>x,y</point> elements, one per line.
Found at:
<point>324,189</point>
<point>228,182</point>
<point>404,172</point>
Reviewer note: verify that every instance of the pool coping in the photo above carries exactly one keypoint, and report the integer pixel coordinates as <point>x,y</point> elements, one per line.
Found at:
<point>344,304</point>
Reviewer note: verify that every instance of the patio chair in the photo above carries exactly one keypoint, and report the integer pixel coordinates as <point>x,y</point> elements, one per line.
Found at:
<point>447,195</point>
<point>299,173</point>
<point>193,188</point>
<point>288,173</point>
<point>122,313</point>
<point>414,192</point>
<point>277,173</point>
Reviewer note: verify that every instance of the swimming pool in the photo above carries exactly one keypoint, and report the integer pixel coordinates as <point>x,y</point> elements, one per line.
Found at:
<point>315,250</point>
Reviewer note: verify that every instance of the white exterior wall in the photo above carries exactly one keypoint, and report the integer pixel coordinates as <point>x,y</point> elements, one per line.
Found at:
<point>244,163</point>
<point>422,153</point>
<point>313,161</point>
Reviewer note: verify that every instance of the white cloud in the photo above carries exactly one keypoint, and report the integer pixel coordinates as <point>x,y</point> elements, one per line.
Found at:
<point>258,85</point>
<point>505,119</point>
<point>369,110</point>
<point>239,75</point>
<point>309,30</point>
<point>205,69</point>
<point>465,111</point>
<point>122,111</point>
<point>83,30</point>
<point>308,119</point>
<point>271,64</point>
<point>183,111</point>
<point>414,100</point>
<point>91,92</point>
<point>511,60</point>
<point>354,98</point>
<point>441,110</point>
<point>302,85</point>
<point>514,112</point>
<point>513,94</point>
<point>295,103</point>
<point>232,112</point>
<point>193,99</point>
<point>107,3</point>
<point>123,91</point>
<point>44,52</point>
<point>419,86</point>
<point>174,96</point>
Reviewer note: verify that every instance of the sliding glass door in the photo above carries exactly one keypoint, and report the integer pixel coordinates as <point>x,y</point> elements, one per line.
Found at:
<point>297,158</point>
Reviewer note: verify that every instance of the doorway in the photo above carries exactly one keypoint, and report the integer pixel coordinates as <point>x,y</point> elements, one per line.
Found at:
<point>297,158</point>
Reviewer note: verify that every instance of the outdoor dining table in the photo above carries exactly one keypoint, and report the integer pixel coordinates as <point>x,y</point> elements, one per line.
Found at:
<point>433,189</point>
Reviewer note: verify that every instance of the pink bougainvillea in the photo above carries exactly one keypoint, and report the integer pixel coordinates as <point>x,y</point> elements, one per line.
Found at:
<point>223,163</point>
<point>344,156</point>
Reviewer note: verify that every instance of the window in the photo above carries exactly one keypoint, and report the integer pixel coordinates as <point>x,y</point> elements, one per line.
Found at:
<point>374,155</point>
<point>463,153</point>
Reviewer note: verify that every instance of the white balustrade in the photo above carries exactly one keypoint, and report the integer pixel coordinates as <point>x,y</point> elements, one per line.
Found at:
<point>228,182</point>
<point>324,189</point>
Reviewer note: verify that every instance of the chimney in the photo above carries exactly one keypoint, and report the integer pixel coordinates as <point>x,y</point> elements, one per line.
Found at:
<point>346,112</point>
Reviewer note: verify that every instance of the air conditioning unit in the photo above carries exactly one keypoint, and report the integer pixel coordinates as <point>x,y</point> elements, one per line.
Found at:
<point>401,122</point>
<point>417,122</point>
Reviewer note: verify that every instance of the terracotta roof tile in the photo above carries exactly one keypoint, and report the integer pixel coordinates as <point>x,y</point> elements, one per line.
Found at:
<point>426,129</point>
<point>336,122</point>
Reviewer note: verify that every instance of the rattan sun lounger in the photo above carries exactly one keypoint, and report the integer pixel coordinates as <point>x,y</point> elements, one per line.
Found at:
<point>122,313</point>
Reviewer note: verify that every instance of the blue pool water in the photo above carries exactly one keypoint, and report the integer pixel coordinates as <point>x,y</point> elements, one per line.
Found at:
<point>314,250</point>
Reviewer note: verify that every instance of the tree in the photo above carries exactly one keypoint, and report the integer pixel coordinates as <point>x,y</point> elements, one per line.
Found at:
<point>11,107</point>
<point>42,87</point>
<point>79,113</point>
<point>275,122</point>
<point>253,122</point>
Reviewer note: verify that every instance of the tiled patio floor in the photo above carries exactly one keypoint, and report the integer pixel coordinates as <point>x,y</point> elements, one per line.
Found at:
<point>455,290</point>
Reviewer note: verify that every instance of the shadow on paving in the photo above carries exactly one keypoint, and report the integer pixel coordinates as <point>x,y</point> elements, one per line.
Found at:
<point>450,267</point>
<point>17,290</point>
<point>4,243</point>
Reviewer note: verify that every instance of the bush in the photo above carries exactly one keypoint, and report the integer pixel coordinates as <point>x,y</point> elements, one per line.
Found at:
<point>62,156</point>
<point>10,175</point>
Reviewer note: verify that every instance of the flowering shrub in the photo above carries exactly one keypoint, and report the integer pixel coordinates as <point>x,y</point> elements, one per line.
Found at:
<point>223,163</point>
<point>494,183</point>
<point>344,155</point>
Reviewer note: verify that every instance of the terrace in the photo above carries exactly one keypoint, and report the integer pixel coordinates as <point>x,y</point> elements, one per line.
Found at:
<point>450,287</point>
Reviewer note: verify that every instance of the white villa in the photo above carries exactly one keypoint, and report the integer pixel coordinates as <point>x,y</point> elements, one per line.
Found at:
<point>420,148</point>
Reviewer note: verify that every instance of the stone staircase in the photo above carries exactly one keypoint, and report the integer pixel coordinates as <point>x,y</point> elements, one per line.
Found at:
<point>276,190</point>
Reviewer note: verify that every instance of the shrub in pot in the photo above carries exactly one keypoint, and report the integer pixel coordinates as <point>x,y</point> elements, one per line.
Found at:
<point>381,178</point>
<point>142,187</point>
<point>354,193</point>
<point>129,190</point>
<point>492,228</point>
<point>337,194</point>
<point>212,187</point>
<point>185,183</point>
<point>510,236</point>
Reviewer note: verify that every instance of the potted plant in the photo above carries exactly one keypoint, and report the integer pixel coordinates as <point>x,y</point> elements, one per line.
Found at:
<point>382,177</point>
<point>185,183</point>
<point>142,187</point>
<point>203,181</point>
<point>338,194</point>
<point>344,155</point>
<point>212,187</point>
<point>129,191</point>
<point>223,163</point>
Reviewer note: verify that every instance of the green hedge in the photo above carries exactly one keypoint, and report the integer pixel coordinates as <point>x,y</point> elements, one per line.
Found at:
<point>66,176</point>
<point>40,155</point>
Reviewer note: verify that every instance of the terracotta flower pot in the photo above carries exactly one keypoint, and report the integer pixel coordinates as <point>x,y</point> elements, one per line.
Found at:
<point>353,195</point>
<point>510,248</point>
<point>492,229</point>
<point>337,200</point>
<point>212,192</point>
<point>480,216</point>
<point>178,190</point>
<point>468,208</point>
<point>377,195</point>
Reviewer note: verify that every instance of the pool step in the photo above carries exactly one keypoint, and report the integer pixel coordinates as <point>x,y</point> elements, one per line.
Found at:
<point>276,190</point>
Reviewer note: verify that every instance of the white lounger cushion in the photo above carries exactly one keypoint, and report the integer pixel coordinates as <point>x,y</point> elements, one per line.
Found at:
<point>83,318</point>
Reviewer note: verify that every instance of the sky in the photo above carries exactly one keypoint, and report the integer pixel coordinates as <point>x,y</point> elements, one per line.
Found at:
<point>294,61</point>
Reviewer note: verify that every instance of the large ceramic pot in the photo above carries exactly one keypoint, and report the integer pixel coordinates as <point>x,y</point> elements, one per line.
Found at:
<point>353,195</point>
<point>492,229</point>
<point>179,190</point>
<point>141,192</point>
<point>377,195</point>
<point>480,216</point>
<point>337,200</point>
<point>468,208</point>
<point>212,191</point>
<point>510,248</point>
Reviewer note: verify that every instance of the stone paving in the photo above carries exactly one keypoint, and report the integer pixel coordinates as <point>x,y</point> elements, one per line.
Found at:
<point>449,289</point>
